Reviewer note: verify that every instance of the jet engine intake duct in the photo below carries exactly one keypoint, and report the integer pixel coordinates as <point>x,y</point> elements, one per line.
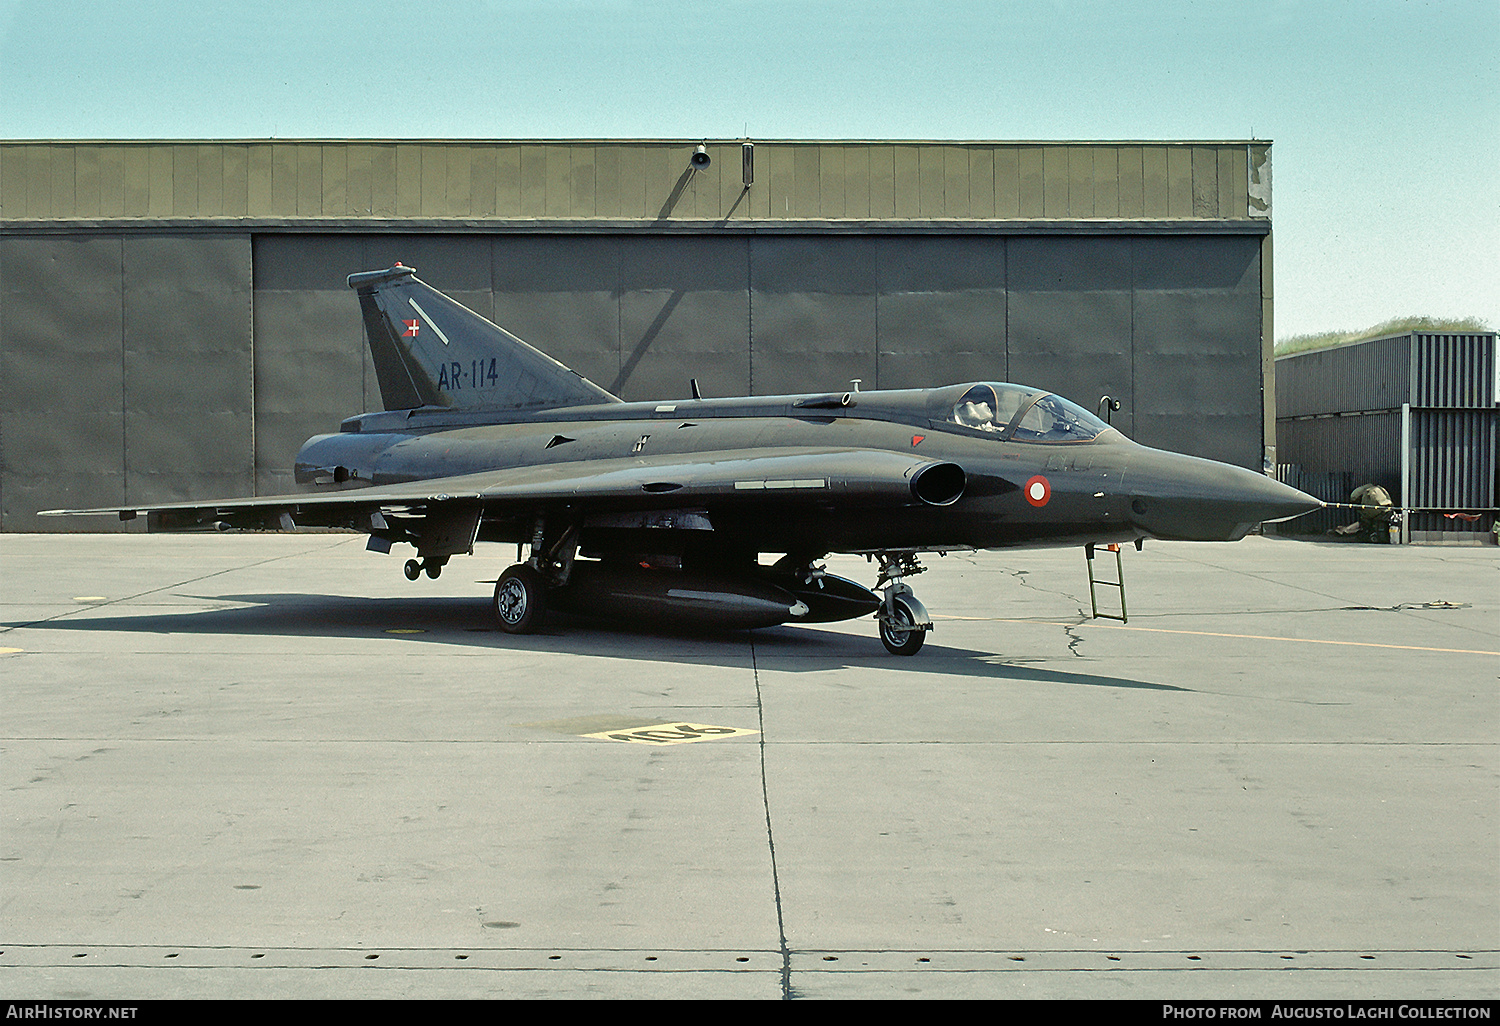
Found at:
<point>939,484</point>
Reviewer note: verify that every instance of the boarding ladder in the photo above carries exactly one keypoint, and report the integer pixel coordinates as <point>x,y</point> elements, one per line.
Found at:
<point>1095,583</point>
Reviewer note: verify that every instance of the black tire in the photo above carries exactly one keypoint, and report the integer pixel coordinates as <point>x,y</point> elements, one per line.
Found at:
<point>433,571</point>
<point>902,638</point>
<point>520,600</point>
<point>413,569</point>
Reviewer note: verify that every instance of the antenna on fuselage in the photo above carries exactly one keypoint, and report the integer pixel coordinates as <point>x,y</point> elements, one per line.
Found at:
<point>696,394</point>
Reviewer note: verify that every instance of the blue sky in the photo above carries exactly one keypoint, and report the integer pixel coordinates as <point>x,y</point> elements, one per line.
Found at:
<point>1385,113</point>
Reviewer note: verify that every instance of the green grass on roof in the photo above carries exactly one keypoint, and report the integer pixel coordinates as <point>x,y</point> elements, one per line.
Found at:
<point>1394,326</point>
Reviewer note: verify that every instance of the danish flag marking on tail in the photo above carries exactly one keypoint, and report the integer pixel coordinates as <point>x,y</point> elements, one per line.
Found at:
<point>412,327</point>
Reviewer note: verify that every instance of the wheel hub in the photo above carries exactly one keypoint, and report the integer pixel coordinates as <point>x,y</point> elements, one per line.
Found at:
<point>510,603</point>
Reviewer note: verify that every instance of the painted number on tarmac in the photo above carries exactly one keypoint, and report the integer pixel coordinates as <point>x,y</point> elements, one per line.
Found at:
<point>671,733</point>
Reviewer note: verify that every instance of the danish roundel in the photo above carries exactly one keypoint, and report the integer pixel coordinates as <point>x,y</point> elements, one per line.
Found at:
<point>1038,491</point>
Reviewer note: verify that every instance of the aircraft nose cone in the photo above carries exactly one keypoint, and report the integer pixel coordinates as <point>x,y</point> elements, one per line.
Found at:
<point>1183,497</point>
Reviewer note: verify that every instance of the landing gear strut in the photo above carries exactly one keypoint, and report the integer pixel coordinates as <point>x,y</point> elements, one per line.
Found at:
<point>521,592</point>
<point>904,621</point>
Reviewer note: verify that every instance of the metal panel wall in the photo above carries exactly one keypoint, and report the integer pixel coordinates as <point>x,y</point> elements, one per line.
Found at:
<point>125,371</point>
<point>189,416</point>
<point>683,311</point>
<point>1070,310</point>
<point>1197,322</point>
<point>144,384</point>
<point>1453,454</point>
<point>813,305</point>
<point>1334,456</point>
<point>588,179</point>
<point>1420,368</point>
<point>1454,371</point>
<point>62,394</point>
<point>311,366</point>
<point>1453,467</point>
<point>1373,375</point>
<point>940,310</point>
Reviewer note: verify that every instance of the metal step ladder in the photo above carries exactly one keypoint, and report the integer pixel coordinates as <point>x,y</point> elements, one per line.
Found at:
<point>1118,582</point>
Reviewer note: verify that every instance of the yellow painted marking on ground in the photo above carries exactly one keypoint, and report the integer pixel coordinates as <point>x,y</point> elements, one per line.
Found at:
<point>406,630</point>
<point>90,598</point>
<point>9,651</point>
<point>1220,634</point>
<point>673,733</point>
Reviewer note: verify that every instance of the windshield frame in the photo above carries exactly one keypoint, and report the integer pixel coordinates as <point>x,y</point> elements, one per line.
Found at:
<point>1062,410</point>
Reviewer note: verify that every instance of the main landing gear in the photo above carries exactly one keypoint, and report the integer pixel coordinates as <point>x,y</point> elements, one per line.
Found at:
<point>521,592</point>
<point>520,599</point>
<point>904,621</point>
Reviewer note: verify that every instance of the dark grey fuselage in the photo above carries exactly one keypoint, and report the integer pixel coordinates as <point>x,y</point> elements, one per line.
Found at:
<point>1106,489</point>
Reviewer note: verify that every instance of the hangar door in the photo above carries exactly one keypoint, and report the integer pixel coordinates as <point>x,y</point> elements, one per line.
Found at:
<point>125,372</point>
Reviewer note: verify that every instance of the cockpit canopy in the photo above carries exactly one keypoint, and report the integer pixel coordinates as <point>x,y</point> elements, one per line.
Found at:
<point>1018,413</point>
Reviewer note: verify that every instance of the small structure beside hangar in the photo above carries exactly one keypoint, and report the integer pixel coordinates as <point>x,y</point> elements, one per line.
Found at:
<point>1414,413</point>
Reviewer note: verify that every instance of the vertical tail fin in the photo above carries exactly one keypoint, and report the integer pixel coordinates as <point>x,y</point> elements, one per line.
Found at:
<point>432,351</point>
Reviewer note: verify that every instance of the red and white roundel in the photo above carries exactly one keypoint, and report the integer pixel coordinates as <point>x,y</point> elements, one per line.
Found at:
<point>1038,491</point>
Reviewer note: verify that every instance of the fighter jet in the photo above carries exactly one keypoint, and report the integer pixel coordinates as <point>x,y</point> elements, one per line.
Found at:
<point>659,513</point>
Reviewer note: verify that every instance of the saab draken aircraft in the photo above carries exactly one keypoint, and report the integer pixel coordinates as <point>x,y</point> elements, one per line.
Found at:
<point>658,513</point>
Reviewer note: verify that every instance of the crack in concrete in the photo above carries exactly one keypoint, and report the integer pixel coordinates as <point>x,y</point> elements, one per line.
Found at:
<point>1074,640</point>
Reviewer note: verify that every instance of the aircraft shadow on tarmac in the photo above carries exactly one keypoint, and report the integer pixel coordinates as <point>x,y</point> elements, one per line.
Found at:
<point>469,622</point>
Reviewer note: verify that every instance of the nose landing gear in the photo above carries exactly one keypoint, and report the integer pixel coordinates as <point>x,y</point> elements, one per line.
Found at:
<point>904,621</point>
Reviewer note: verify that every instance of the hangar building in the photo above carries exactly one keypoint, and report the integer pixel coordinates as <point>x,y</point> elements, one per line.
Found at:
<point>174,320</point>
<point>1414,413</point>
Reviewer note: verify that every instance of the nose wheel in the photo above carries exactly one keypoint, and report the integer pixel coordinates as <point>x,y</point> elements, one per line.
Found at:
<point>899,634</point>
<point>904,621</point>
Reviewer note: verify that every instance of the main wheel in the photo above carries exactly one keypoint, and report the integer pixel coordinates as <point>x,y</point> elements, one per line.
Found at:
<point>413,569</point>
<point>520,599</point>
<point>902,637</point>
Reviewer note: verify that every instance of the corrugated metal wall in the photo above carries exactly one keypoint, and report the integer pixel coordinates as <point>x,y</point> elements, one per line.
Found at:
<point>1340,410</point>
<point>1454,371</point>
<point>633,180</point>
<point>1358,378</point>
<point>1350,451</point>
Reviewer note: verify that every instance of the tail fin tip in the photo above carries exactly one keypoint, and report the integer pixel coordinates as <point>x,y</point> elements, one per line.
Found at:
<point>365,279</point>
